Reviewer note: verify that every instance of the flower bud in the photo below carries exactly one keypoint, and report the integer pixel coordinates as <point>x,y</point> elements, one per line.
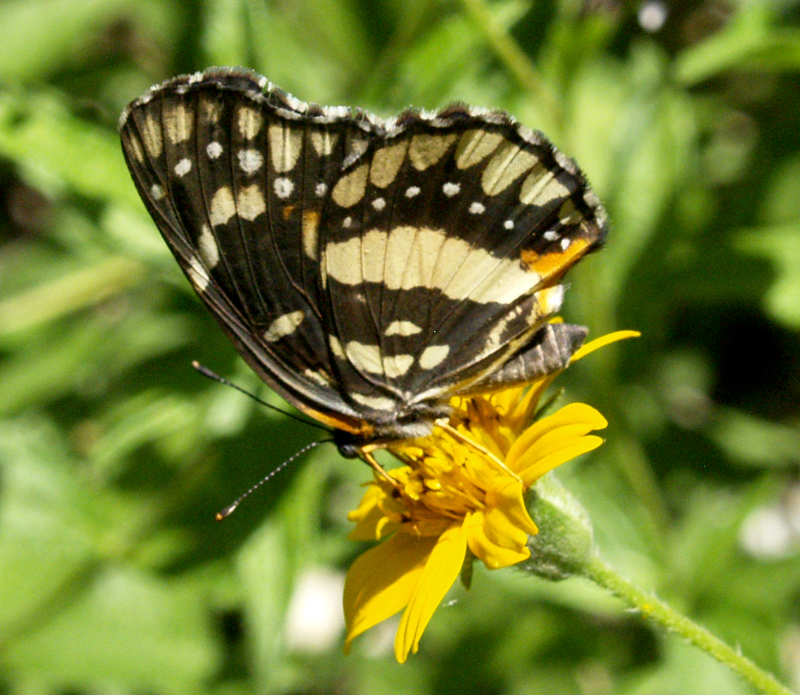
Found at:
<point>565,539</point>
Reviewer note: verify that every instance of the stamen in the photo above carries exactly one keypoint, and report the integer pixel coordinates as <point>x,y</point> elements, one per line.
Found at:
<point>445,425</point>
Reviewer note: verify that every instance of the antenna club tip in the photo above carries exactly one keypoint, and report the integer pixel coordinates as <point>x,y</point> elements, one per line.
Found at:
<point>225,513</point>
<point>195,364</point>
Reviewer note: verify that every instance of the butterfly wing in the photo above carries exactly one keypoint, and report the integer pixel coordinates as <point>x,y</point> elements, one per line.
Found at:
<point>234,177</point>
<point>442,249</point>
<point>366,269</point>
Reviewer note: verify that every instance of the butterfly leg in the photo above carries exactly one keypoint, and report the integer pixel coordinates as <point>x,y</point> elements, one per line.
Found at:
<point>367,457</point>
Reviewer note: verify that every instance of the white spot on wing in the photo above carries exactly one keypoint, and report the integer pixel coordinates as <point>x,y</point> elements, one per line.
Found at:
<point>222,207</point>
<point>450,189</point>
<point>379,204</point>
<point>550,235</point>
<point>250,161</point>
<point>477,208</point>
<point>178,123</point>
<point>250,203</point>
<point>249,122</point>
<point>506,166</point>
<point>565,242</point>
<point>550,299</point>
<point>198,275</point>
<point>396,366</point>
<point>410,257</point>
<point>412,191</point>
<point>156,192</point>
<point>402,328</point>
<point>151,134</point>
<point>433,355</point>
<point>475,146</point>
<point>317,376</point>
<point>374,402</point>
<point>426,150</point>
<point>309,232</point>
<point>183,167</point>
<point>349,190</point>
<point>336,347</point>
<point>509,224</point>
<point>285,145</point>
<point>210,110</point>
<point>207,246</point>
<point>365,358</point>
<point>213,150</point>
<point>324,142</point>
<point>320,190</point>
<point>386,162</point>
<point>283,326</point>
<point>368,358</point>
<point>283,187</point>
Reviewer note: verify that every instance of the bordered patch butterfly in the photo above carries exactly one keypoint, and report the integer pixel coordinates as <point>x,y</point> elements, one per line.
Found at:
<point>367,269</point>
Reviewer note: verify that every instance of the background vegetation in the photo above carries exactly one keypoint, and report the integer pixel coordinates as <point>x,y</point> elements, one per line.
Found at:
<point>115,455</point>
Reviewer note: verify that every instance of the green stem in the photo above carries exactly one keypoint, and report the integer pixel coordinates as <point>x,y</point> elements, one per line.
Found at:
<point>651,607</point>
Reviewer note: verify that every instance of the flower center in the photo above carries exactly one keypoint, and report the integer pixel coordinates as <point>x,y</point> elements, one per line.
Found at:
<point>441,484</point>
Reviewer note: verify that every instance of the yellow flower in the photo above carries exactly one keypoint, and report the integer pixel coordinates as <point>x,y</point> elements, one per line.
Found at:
<point>463,487</point>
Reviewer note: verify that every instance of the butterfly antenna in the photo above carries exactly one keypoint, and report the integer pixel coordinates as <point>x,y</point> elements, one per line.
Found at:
<point>206,372</point>
<point>231,508</point>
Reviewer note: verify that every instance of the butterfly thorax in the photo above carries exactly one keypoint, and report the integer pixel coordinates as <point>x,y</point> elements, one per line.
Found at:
<point>412,423</point>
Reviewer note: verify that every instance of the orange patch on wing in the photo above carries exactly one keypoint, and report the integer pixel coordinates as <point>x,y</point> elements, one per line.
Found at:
<point>287,211</point>
<point>357,427</point>
<point>555,262</point>
<point>310,218</point>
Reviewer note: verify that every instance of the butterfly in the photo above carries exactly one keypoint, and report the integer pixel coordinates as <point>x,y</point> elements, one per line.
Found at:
<point>367,269</point>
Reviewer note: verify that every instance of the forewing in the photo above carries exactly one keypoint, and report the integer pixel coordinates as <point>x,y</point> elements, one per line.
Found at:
<point>444,250</point>
<point>235,173</point>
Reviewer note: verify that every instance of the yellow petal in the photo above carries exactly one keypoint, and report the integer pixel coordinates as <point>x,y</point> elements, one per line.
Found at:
<point>441,570</point>
<point>572,414</point>
<point>597,343</point>
<point>507,516</point>
<point>540,466</point>
<point>506,400</point>
<point>382,581</point>
<point>491,554</point>
<point>371,521</point>
<point>371,498</point>
<point>523,412</point>
<point>551,441</point>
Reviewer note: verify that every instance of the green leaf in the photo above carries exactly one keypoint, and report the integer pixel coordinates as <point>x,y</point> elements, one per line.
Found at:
<point>781,245</point>
<point>748,42</point>
<point>161,627</point>
<point>59,152</point>
<point>49,525</point>
<point>754,441</point>
<point>38,35</point>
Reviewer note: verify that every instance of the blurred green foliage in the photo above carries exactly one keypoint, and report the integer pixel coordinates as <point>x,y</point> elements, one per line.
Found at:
<point>114,454</point>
